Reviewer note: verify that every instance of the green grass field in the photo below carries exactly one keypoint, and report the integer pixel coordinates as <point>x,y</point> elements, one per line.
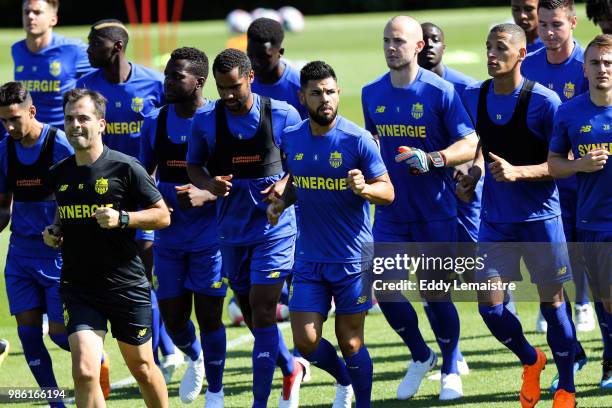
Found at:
<point>352,44</point>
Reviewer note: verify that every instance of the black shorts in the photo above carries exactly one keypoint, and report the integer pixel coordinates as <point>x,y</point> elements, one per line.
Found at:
<point>127,309</point>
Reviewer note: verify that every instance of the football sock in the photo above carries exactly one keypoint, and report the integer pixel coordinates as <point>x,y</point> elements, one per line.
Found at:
<point>604,320</point>
<point>187,341</point>
<point>403,319</point>
<point>214,347</point>
<point>508,330</point>
<point>36,355</point>
<point>562,340</point>
<point>360,370</point>
<point>326,358</point>
<point>285,358</point>
<point>447,334</point>
<point>265,353</point>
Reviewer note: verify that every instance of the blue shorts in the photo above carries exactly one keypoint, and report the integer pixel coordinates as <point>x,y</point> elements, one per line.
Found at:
<point>179,270</point>
<point>426,231</point>
<point>145,235</point>
<point>315,283</point>
<point>33,283</point>
<point>263,263</point>
<point>501,248</point>
<point>598,255</point>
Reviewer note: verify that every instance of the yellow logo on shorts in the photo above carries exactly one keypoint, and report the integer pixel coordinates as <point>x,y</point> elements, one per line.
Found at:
<point>137,104</point>
<point>142,332</point>
<point>216,285</point>
<point>569,90</point>
<point>335,159</point>
<point>101,186</point>
<point>155,282</point>
<point>417,110</point>
<point>66,316</point>
<point>273,275</point>
<point>55,68</point>
<point>562,271</point>
<point>361,300</point>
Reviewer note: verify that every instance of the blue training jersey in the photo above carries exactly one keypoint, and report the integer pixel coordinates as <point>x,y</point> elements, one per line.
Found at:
<point>285,89</point>
<point>191,229</point>
<point>49,73</point>
<point>241,216</point>
<point>429,115</point>
<point>128,104</point>
<point>521,200</point>
<point>29,219</point>
<point>468,214</point>
<point>536,45</point>
<point>334,222</point>
<point>581,126</point>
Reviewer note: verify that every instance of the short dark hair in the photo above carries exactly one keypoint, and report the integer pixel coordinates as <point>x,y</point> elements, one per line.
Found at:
<point>265,30</point>
<point>595,9</point>
<point>601,41</point>
<point>198,61</point>
<point>231,58</point>
<point>517,33</point>
<point>53,3</point>
<point>97,98</point>
<point>557,4</point>
<point>14,93</point>
<point>316,70</point>
<point>112,29</point>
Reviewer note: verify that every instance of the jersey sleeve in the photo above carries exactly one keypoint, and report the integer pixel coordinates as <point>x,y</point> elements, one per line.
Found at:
<point>62,148</point>
<point>198,150</point>
<point>82,61</point>
<point>371,161</point>
<point>147,142</point>
<point>4,188</point>
<point>456,119</point>
<point>368,124</point>
<point>292,118</point>
<point>546,120</point>
<point>559,141</point>
<point>142,186</point>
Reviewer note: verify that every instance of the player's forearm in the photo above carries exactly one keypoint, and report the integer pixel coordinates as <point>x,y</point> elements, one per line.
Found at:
<point>561,167</point>
<point>150,219</point>
<point>538,172</point>
<point>461,151</point>
<point>379,193</point>
<point>198,176</point>
<point>289,197</point>
<point>5,217</point>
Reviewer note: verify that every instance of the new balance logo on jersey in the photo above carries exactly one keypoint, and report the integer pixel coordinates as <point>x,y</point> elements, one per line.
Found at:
<point>298,156</point>
<point>263,354</point>
<point>380,109</point>
<point>585,128</point>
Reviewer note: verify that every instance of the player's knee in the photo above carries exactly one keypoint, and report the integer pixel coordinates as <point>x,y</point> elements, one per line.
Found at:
<point>84,374</point>
<point>142,371</point>
<point>305,344</point>
<point>350,345</point>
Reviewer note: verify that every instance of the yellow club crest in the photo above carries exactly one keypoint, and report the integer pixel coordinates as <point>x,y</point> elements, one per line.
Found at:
<point>137,104</point>
<point>101,186</point>
<point>417,110</point>
<point>335,159</point>
<point>55,68</point>
<point>569,90</point>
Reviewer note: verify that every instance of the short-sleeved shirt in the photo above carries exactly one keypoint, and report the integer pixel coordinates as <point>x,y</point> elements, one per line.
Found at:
<point>429,115</point>
<point>582,126</point>
<point>190,229</point>
<point>534,46</point>
<point>96,258</point>
<point>128,104</point>
<point>241,216</point>
<point>49,73</point>
<point>521,200</point>
<point>334,222</point>
<point>29,219</point>
<point>285,89</point>
<point>459,80</point>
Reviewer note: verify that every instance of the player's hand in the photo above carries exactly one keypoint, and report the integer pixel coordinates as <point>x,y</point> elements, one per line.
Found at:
<point>274,191</point>
<point>107,217</point>
<point>356,181</point>
<point>416,159</point>
<point>52,236</point>
<point>466,185</point>
<point>189,196</point>
<point>593,161</point>
<point>220,185</point>
<point>274,211</point>
<point>501,170</point>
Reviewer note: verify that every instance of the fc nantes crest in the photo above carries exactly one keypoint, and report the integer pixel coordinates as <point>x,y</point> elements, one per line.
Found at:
<point>101,186</point>
<point>137,104</point>
<point>417,110</point>
<point>335,159</point>
<point>55,68</point>
<point>569,90</point>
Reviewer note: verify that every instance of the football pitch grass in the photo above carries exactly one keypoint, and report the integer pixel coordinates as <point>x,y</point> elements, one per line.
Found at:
<point>352,44</point>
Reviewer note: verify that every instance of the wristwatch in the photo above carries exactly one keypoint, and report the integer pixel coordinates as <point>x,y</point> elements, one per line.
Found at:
<point>437,159</point>
<point>124,219</point>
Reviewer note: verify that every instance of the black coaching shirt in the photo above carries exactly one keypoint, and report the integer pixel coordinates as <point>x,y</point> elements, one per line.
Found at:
<point>96,258</point>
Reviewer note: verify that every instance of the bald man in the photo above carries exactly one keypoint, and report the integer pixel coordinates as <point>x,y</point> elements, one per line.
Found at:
<point>416,112</point>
